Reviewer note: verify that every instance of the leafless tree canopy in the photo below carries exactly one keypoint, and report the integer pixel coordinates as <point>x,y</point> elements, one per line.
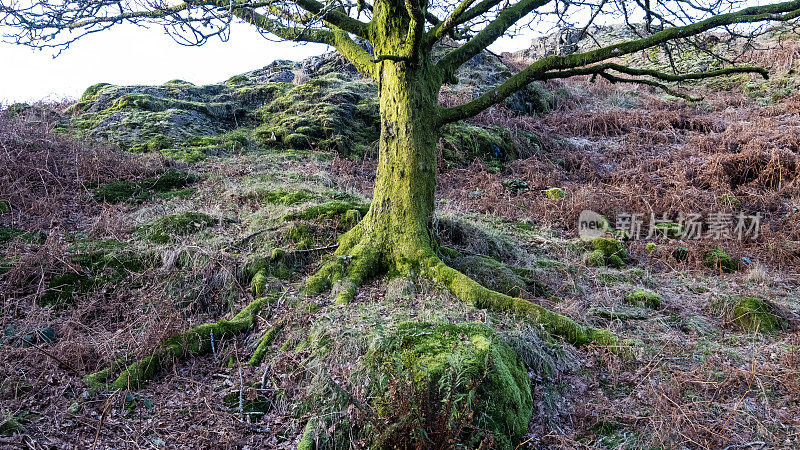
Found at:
<point>472,24</point>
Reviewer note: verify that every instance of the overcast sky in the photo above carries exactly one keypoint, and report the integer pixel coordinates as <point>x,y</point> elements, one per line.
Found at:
<point>127,55</point>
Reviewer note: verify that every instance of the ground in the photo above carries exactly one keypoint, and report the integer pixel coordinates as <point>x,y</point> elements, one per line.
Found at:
<point>135,248</point>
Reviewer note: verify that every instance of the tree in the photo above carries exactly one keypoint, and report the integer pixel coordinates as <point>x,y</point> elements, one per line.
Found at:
<point>395,235</point>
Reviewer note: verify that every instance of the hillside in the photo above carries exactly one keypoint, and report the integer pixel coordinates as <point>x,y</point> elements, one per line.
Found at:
<point>156,241</point>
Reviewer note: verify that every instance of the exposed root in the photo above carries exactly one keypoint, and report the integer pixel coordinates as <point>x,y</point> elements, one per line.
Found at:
<point>474,294</point>
<point>355,261</point>
<point>263,344</point>
<point>196,341</point>
<point>358,258</point>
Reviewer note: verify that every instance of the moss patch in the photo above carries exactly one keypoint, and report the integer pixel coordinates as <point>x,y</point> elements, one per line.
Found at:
<point>135,192</point>
<point>754,314</point>
<point>164,229</point>
<point>720,260</point>
<point>455,357</point>
<point>641,297</point>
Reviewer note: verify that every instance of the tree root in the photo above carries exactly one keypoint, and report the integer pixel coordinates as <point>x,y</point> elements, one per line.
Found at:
<point>195,341</point>
<point>358,258</point>
<point>471,292</point>
<point>263,344</point>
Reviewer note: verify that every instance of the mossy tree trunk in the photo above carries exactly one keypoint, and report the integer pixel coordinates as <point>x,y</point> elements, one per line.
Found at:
<point>394,236</point>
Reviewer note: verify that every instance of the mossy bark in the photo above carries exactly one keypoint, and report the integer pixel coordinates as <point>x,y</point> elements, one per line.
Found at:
<point>394,236</point>
<point>195,341</point>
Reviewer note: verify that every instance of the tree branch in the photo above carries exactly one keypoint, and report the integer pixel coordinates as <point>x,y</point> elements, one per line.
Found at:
<point>496,28</point>
<point>336,18</point>
<point>538,70</point>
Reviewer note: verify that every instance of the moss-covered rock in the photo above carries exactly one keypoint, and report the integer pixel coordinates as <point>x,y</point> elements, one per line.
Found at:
<point>555,193</point>
<point>463,360</point>
<point>606,252</point>
<point>330,107</point>
<point>720,260</point>
<point>462,143</point>
<point>755,314</point>
<point>609,247</point>
<point>641,297</point>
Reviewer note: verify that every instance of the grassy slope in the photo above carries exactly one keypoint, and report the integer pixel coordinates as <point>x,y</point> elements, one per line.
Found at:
<point>696,378</point>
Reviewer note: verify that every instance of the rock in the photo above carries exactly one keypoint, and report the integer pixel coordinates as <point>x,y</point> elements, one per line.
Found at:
<point>720,260</point>
<point>426,352</point>
<point>321,103</point>
<point>755,314</point>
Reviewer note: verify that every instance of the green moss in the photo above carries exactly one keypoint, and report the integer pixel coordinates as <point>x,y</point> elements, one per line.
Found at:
<point>668,229</point>
<point>596,258</point>
<point>237,79</point>
<point>281,197</point>
<point>463,359</point>
<point>135,192</point>
<point>264,343</point>
<point>641,297</point>
<point>61,288</point>
<point>16,109</point>
<point>720,260</point>
<point>335,209</point>
<point>7,234</point>
<point>730,201</point>
<point>650,247</point>
<point>754,314</point>
<point>300,235</point>
<point>195,341</point>
<point>258,285</point>
<point>5,206</point>
<point>462,143</point>
<point>509,280</point>
<point>555,193</point>
<point>297,140</point>
<point>615,261</point>
<point>164,229</point>
<point>609,247</point>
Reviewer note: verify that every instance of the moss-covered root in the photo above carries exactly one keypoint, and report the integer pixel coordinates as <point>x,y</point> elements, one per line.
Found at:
<point>264,343</point>
<point>353,264</point>
<point>476,295</point>
<point>307,441</point>
<point>196,341</point>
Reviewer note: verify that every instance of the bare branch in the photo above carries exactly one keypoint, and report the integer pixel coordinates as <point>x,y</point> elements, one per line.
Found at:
<point>538,70</point>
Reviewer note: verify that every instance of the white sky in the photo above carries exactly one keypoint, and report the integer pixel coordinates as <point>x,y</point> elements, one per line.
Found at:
<point>127,55</point>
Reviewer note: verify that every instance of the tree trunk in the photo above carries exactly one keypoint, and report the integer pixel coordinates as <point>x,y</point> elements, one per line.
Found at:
<point>394,236</point>
<point>403,200</point>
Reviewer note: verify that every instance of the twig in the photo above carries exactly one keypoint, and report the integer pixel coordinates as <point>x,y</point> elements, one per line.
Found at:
<point>318,249</point>
<point>100,425</point>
